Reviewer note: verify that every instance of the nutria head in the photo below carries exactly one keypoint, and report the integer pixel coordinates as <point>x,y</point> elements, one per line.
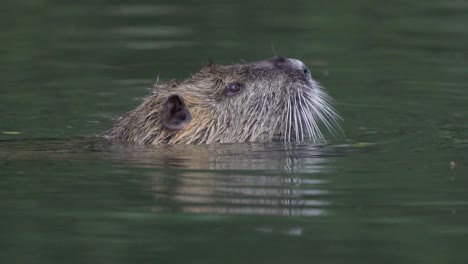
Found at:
<point>257,101</point>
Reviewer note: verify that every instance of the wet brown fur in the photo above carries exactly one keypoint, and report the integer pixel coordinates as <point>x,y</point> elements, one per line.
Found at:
<point>256,114</point>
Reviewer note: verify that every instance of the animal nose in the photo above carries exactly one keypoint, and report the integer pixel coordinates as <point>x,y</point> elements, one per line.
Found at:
<point>291,65</point>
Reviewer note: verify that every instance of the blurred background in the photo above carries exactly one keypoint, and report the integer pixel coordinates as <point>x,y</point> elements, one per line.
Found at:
<point>398,71</point>
<point>67,67</point>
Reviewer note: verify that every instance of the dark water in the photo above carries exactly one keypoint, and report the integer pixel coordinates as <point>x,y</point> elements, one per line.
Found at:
<point>394,190</point>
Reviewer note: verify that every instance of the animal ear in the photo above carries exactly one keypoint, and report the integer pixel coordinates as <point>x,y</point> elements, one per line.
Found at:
<point>210,67</point>
<point>210,63</point>
<point>176,113</point>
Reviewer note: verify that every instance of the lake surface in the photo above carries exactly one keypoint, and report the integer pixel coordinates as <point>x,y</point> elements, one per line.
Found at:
<point>393,189</point>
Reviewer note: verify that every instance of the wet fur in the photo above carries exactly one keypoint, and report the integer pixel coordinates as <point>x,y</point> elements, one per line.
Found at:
<point>277,103</point>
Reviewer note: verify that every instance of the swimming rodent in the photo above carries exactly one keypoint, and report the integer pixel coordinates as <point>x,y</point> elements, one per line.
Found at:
<point>273,99</point>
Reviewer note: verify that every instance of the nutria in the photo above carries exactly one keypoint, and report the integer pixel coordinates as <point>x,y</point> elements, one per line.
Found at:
<point>247,102</point>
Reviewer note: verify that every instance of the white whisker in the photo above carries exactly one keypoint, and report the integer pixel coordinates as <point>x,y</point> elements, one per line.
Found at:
<point>297,111</point>
<point>326,113</point>
<point>296,129</point>
<point>308,118</point>
<point>290,119</point>
<point>306,111</point>
<point>321,116</point>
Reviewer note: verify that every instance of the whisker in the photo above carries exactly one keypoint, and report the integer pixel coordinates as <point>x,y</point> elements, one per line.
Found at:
<point>324,117</point>
<point>290,120</point>
<point>325,111</point>
<point>299,116</point>
<point>314,112</point>
<point>296,129</point>
<point>308,118</point>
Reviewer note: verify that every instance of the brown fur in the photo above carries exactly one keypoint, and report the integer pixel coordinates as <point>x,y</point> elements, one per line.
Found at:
<point>258,113</point>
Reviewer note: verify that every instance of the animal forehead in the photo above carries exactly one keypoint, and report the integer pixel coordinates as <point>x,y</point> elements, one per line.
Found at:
<point>249,72</point>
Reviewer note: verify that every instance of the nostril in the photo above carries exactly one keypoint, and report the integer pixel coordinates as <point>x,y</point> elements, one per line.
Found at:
<point>281,59</point>
<point>306,71</point>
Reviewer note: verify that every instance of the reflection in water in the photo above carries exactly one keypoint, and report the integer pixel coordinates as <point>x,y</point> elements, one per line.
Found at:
<point>237,193</point>
<point>247,179</point>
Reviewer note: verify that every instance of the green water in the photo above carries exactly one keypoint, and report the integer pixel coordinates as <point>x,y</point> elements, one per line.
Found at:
<point>394,190</point>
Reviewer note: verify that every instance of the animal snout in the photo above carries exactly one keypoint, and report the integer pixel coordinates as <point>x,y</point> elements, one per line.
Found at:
<point>291,65</point>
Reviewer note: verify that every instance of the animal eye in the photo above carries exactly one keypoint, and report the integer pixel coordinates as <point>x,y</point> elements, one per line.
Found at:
<point>234,88</point>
